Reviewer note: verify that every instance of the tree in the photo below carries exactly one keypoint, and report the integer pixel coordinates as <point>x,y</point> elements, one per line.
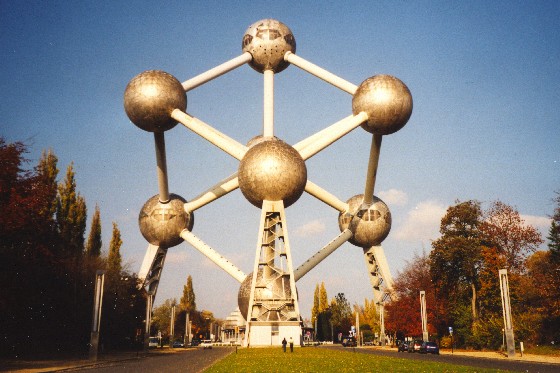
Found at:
<point>456,256</point>
<point>315,308</point>
<point>47,172</point>
<point>504,230</point>
<point>188,303</point>
<point>93,246</point>
<point>554,232</point>
<point>114,259</point>
<point>341,314</point>
<point>71,215</point>
<point>323,299</point>
<point>403,312</point>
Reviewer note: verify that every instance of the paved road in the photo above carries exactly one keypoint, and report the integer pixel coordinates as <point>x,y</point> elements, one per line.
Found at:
<point>188,361</point>
<point>478,362</point>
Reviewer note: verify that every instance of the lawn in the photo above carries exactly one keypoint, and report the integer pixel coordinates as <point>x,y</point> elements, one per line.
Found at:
<point>317,359</point>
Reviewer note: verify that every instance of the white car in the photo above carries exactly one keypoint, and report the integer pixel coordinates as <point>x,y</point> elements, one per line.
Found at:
<point>206,344</point>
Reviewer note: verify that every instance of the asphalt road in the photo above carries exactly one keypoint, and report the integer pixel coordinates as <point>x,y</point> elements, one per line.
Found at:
<point>477,362</point>
<point>188,361</point>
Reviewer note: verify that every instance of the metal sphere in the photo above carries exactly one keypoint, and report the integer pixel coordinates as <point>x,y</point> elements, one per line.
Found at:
<point>280,285</point>
<point>268,40</point>
<point>161,223</point>
<point>387,102</point>
<point>272,170</point>
<point>150,97</point>
<point>372,223</point>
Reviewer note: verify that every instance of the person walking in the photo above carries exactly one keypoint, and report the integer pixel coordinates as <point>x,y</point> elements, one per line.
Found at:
<point>284,343</point>
<point>291,344</point>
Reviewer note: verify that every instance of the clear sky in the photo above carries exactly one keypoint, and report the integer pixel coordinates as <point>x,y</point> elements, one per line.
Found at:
<point>484,76</point>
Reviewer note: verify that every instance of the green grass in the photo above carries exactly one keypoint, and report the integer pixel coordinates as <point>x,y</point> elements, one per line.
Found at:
<point>551,350</point>
<point>317,359</point>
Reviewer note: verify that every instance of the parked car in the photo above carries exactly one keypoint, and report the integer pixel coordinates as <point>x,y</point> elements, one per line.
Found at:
<point>178,343</point>
<point>349,342</point>
<point>429,348</point>
<point>153,342</point>
<point>402,346</point>
<point>195,342</point>
<point>206,344</point>
<point>414,346</point>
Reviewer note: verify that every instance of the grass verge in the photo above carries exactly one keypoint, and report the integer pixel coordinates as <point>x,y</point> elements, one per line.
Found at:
<point>325,360</point>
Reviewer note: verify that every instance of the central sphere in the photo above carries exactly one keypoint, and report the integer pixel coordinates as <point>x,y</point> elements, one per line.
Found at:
<point>371,224</point>
<point>272,170</point>
<point>268,41</point>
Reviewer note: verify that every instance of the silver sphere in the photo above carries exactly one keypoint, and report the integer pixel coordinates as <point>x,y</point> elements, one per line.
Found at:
<point>272,170</point>
<point>372,223</point>
<point>150,97</point>
<point>387,102</point>
<point>281,285</point>
<point>268,40</point>
<point>161,223</point>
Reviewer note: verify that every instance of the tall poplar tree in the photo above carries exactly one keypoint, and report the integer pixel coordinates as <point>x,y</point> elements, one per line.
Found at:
<point>94,243</point>
<point>315,309</point>
<point>188,302</point>
<point>71,215</point>
<point>114,260</point>
<point>47,173</point>
<point>323,299</point>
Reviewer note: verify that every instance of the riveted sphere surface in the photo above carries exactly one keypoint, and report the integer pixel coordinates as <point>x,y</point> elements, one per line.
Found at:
<point>272,170</point>
<point>280,285</point>
<point>150,97</point>
<point>387,102</point>
<point>372,225</point>
<point>268,40</point>
<point>162,223</point>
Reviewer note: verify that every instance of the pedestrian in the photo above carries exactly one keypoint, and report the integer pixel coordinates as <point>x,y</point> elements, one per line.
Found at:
<point>284,343</point>
<point>291,344</point>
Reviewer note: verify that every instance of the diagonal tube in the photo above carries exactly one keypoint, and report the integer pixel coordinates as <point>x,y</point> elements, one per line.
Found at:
<point>217,71</point>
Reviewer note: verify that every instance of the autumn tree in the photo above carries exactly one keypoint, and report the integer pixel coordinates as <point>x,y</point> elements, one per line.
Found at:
<point>323,298</point>
<point>315,308</point>
<point>403,315</point>
<point>504,230</point>
<point>94,243</point>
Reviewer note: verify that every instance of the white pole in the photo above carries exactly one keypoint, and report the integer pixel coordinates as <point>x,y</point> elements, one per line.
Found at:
<point>268,110</point>
<point>227,144</point>
<point>161,167</point>
<point>326,197</point>
<point>311,146</point>
<point>217,71</point>
<point>219,190</point>
<point>213,255</point>
<point>372,168</point>
<point>320,73</point>
<point>322,254</point>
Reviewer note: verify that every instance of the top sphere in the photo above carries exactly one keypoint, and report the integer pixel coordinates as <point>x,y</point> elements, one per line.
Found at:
<point>387,102</point>
<point>268,40</point>
<point>150,97</point>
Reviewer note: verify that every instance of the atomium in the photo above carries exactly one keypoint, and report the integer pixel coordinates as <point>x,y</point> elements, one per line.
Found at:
<point>272,175</point>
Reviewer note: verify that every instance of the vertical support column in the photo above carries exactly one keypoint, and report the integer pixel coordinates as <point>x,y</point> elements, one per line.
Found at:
<point>506,308</point>
<point>372,168</point>
<point>382,323</point>
<point>96,319</point>
<point>149,302</point>
<point>187,338</point>
<point>172,327</point>
<point>159,139</point>
<point>268,110</point>
<point>423,315</point>
<point>273,308</point>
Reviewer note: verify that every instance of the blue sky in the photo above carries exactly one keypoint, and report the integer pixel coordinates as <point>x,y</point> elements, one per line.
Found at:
<point>484,76</point>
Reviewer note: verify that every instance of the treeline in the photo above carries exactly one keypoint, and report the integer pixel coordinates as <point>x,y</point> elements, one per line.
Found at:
<point>460,278</point>
<point>47,267</point>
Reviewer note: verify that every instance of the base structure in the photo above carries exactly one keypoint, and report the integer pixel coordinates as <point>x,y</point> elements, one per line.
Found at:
<point>273,310</point>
